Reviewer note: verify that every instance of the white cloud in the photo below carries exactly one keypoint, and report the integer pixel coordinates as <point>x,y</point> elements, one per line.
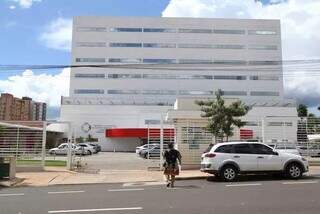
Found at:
<point>40,87</point>
<point>12,7</point>
<point>300,25</point>
<point>58,34</point>
<point>25,3</point>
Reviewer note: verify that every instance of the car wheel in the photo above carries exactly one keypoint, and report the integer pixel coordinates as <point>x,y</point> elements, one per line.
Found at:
<point>53,153</point>
<point>294,171</point>
<point>89,152</point>
<point>229,173</point>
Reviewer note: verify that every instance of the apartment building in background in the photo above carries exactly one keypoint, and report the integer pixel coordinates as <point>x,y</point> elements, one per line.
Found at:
<point>24,109</point>
<point>131,70</point>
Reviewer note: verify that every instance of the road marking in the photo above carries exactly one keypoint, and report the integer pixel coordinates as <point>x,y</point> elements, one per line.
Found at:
<point>149,183</point>
<point>124,190</point>
<point>66,192</point>
<point>96,210</point>
<point>301,182</point>
<point>13,194</point>
<point>243,185</point>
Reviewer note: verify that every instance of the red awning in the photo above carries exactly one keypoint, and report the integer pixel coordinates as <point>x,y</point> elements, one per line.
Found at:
<point>138,132</point>
<point>246,134</point>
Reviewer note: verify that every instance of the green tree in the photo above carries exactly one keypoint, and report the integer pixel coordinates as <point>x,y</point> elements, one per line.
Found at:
<point>302,110</point>
<point>221,118</point>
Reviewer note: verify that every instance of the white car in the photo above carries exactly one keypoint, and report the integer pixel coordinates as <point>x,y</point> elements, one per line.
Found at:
<point>288,148</point>
<point>62,149</point>
<point>145,146</point>
<point>227,160</point>
<point>89,150</point>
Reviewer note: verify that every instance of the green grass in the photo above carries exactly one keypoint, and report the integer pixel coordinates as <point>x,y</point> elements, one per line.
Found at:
<point>38,162</point>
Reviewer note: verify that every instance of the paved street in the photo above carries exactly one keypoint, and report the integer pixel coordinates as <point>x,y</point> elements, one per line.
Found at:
<point>198,196</point>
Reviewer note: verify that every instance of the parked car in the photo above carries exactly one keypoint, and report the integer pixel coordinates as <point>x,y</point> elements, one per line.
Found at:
<point>289,148</point>
<point>152,152</point>
<point>96,146</point>
<point>62,149</point>
<point>87,148</point>
<point>145,146</point>
<point>228,160</point>
<point>312,150</point>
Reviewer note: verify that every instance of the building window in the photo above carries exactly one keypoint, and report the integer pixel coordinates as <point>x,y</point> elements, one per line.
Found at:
<point>195,61</point>
<point>159,92</point>
<point>125,45</point>
<point>186,92</point>
<point>160,61</point>
<point>264,77</point>
<point>264,93</point>
<point>225,77</point>
<point>234,93</point>
<point>262,32</point>
<point>280,124</point>
<point>89,91</point>
<point>230,62</point>
<point>185,30</point>
<point>251,123</point>
<point>263,47</point>
<point>194,46</point>
<point>91,29</point>
<point>124,60</point>
<point>120,29</point>
<point>158,45</point>
<point>124,76</point>
<point>123,92</point>
<point>229,46</point>
<point>222,31</point>
<point>264,63</point>
<point>89,75</point>
<point>91,44</point>
<point>159,30</point>
<point>90,60</point>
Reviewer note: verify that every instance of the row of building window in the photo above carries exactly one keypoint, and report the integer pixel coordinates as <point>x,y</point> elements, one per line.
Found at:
<point>175,76</point>
<point>174,92</point>
<point>176,61</point>
<point>173,45</point>
<point>173,30</point>
<point>256,123</point>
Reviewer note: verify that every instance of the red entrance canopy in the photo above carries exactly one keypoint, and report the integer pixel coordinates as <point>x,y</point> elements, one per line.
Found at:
<point>138,132</point>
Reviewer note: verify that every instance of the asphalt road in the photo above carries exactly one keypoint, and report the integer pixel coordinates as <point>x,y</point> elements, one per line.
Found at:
<point>256,196</point>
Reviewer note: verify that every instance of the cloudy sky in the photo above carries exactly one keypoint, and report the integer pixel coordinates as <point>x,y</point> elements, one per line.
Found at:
<point>38,32</point>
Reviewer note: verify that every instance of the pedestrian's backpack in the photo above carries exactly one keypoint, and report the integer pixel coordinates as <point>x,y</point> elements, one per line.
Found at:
<point>171,156</point>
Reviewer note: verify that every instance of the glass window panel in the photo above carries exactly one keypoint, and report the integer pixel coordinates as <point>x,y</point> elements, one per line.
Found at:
<point>158,45</point>
<point>185,92</point>
<point>234,93</point>
<point>159,30</point>
<point>91,29</point>
<point>195,61</point>
<point>262,32</point>
<point>194,46</point>
<point>263,47</point>
<point>264,93</point>
<point>125,45</point>
<point>91,44</point>
<point>242,149</point>
<point>264,77</point>
<point>251,123</point>
<point>264,63</point>
<point>230,77</point>
<point>223,31</point>
<point>89,91</point>
<point>124,76</point>
<point>90,60</point>
<point>89,75</point>
<point>229,46</point>
<point>159,61</point>
<point>121,29</point>
<point>185,30</point>
<point>124,60</point>
<point>123,92</point>
<point>230,62</point>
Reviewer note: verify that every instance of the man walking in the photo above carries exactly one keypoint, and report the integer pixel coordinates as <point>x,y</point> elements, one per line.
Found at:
<point>171,165</point>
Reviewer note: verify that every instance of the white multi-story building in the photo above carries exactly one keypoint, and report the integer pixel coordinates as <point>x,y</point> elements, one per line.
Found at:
<point>129,70</point>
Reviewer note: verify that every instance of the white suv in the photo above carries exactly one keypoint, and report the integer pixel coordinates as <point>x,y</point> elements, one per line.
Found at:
<point>227,160</point>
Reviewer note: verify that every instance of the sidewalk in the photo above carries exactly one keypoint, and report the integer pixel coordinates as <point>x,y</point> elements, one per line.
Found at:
<point>59,176</point>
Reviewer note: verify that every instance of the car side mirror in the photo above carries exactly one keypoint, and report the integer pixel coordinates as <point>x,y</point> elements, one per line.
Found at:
<point>275,153</point>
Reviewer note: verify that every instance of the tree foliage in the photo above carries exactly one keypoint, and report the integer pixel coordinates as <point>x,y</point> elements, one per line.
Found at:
<point>221,118</point>
<point>302,110</point>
